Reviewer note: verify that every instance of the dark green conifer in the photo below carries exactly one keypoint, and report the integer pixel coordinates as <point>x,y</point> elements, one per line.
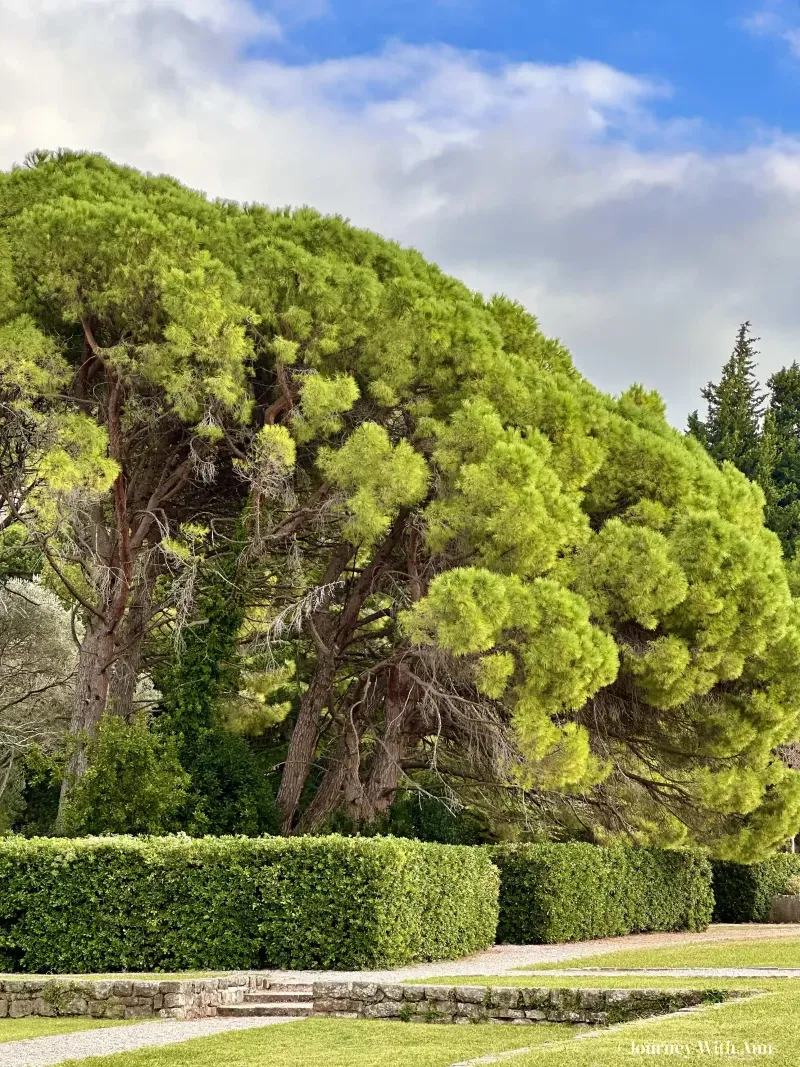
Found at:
<point>730,431</point>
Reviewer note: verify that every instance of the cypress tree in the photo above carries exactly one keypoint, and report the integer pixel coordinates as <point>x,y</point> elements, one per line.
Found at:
<point>730,431</point>
<point>783,506</point>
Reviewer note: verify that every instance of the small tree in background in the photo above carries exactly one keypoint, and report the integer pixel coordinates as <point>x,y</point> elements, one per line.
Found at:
<point>731,429</point>
<point>761,439</point>
<point>781,438</point>
<point>133,784</point>
<point>37,675</point>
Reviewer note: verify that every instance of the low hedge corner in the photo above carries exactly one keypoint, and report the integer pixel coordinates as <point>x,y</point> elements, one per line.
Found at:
<point>576,891</point>
<point>743,892</point>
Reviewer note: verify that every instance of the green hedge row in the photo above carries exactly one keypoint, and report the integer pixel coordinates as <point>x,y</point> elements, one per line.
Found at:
<point>176,903</point>
<point>573,892</point>
<point>743,894</point>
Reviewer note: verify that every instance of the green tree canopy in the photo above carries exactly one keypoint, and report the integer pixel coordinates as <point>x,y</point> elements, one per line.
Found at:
<point>480,564</point>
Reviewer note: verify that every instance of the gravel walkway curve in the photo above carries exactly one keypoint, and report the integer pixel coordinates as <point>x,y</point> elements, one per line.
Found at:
<point>46,1051</point>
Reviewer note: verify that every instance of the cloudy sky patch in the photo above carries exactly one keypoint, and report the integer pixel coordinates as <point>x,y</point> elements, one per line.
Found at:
<point>640,229</point>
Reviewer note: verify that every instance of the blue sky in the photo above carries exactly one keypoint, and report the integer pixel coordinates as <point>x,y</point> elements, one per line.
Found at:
<point>720,66</point>
<point>629,170</point>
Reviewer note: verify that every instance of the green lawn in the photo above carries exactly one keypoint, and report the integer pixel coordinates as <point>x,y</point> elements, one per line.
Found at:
<point>339,1043</point>
<point>772,1018</point>
<point>767,953</point>
<point>21,1029</point>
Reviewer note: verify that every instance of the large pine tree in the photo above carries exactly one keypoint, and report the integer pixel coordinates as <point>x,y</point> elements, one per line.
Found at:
<point>735,406</point>
<point>479,566</point>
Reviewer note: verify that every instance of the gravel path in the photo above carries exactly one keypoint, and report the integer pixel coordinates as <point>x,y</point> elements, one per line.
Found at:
<point>45,1051</point>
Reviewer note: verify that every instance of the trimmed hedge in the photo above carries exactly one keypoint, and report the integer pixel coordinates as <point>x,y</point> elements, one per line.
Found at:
<point>573,892</point>
<point>177,903</point>
<point>743,892</point>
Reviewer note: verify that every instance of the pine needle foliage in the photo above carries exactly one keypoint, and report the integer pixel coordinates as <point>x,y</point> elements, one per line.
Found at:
<point>497,572</point>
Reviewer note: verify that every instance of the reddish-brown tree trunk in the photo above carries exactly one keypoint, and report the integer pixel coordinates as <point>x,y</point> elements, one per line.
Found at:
<point>341,783</point>
<point>331,635</point>
<point>304,741</point>
<point>391,746</point>
<point>342,788</point>
<point>92,682</point>
<point>128,657</point>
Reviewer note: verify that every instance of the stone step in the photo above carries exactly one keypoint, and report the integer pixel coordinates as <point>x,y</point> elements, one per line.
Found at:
<point>287,987</point>
<point>233,1011</point>
<point>269,996</point>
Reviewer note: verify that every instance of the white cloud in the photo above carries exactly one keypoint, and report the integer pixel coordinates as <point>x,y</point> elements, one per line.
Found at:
<point>777,19</point>
<point>528,178</point>
<point>763,23</point>
<point>220,15</point>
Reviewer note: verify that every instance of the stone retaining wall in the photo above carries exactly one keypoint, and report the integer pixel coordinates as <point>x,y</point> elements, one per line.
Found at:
<point>124,998</point>
<point>463,1004</point>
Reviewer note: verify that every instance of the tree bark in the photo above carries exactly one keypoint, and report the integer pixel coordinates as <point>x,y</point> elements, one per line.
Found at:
<point>377,795</point>
<point>304,740</point>
<point>341,784</point>
<point>128,658</point>
<point>92,681</point>
<point>331,635</point>
<point>342,788</point>
<point>306,730</point>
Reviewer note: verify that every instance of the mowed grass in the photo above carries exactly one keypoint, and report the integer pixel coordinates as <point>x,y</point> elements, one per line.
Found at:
<point>764,1025</point>
<point>22,1029</point>
<point>339,1043</point>
<point>767,953</point>
<point>770,1020</point>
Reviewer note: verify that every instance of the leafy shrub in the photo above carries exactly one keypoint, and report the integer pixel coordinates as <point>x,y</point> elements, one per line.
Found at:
<point>175,903</point>
<point>134,782</point>
<point>573,892</point>
<point>231,789</point>
<point>743,892</point>
<point>793,885</point>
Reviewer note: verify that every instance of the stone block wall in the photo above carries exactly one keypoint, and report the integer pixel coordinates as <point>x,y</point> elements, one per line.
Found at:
<point>126,998</point>
<point>785,909</point>
<point>474,1004</point>
<point>123,998</point>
